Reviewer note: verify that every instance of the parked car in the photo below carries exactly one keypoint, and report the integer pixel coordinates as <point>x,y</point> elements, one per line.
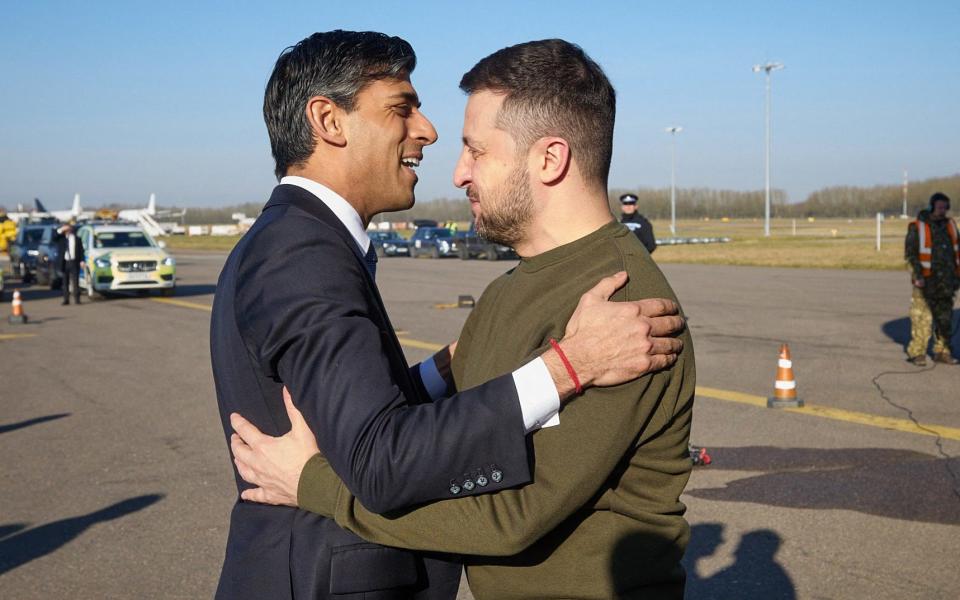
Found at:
<point>389,243</point>
<point>24,249</point>
<point>124,257</point>
<point>473,246</point>
<point>435,242</point>
<point>47,270</point>
<point>425,223</point>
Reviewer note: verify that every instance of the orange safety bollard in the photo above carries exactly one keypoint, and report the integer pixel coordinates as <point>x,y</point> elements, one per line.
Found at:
<point>17,316</point>
<point>785,387</point>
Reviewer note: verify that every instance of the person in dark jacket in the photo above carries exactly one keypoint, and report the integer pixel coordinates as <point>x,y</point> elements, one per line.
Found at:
<point>69,258</point>
<point>932,249</point>
<point>636,222</point>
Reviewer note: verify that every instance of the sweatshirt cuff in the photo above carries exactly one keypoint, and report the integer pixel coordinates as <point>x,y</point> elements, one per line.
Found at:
<point>318,487</point>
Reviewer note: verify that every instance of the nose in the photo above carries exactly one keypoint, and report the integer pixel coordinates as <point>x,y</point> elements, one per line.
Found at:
<point>462,173</point>
<point>423,130</point>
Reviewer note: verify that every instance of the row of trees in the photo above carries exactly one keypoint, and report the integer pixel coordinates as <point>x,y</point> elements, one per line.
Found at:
<point>697,203</point>
<point>692,203</point>
<point>852,202</point>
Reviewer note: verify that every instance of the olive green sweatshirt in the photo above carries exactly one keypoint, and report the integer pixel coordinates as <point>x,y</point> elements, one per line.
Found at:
<point>602,518</point>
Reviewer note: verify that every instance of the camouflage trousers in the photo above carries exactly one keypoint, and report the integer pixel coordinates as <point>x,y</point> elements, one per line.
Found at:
<point>929,316</point>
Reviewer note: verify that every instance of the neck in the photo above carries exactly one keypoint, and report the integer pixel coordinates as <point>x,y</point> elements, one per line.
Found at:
<point>564,218</point>
<point>335,179</point>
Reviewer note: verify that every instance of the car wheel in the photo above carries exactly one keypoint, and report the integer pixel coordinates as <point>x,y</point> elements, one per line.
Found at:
<point>492,253</point>
<point>464,253</point>
<point>435,252</point>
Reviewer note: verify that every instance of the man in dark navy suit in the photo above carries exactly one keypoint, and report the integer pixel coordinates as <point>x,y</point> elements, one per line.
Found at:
<point>297,306</point>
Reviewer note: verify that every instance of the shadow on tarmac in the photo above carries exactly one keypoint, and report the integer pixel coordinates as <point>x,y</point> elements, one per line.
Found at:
<point>34,421</point>
<point>898,484</point>
<point>898,330</point>
<point>202,289</point>
<point>17,549</point>
<point>755,574</point>
<point>30,292</point>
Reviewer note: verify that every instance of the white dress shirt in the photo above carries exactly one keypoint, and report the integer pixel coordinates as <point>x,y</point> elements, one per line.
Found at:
<point>71,247</point>
<point>539,400</point>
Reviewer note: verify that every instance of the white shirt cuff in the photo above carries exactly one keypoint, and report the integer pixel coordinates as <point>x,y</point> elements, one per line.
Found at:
<point>539,400</point>
<point>432,380</point>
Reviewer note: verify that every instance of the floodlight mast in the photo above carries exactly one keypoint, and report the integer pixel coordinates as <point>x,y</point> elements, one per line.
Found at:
<point>673,131</point>
<point>767,68</point>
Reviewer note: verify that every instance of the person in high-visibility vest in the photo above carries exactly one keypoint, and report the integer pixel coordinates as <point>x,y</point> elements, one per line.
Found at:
<point>933,250</point>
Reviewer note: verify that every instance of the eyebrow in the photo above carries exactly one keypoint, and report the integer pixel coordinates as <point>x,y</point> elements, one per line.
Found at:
<point>471,143</point>
<point>410,97</point>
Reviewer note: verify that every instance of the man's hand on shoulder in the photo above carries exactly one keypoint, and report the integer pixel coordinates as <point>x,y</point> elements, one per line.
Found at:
<point>273,464</point>
<point>609,343</point>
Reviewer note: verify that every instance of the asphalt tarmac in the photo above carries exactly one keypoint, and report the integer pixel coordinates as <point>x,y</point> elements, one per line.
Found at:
<point>116,479</point>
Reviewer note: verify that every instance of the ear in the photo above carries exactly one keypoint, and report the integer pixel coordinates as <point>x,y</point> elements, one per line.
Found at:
<point>551,159</point>
<point>326,120</point>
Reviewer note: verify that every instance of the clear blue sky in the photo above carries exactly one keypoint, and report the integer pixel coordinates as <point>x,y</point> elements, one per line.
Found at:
<point>115,100</point>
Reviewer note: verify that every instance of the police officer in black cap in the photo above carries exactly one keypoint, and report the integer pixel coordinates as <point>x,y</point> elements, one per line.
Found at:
<point>636,222</point>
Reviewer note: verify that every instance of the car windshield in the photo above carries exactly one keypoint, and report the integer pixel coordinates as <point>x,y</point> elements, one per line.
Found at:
<point>429,234</point>
<point>32,237</point>
<point>122,239</point>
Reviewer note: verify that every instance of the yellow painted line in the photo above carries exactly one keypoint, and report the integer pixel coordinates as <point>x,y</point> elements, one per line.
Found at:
<point>443,306</point>
<point>16,336</point>
<point>184,304</point>
<point>403,341</point>
<point>419,344</point>
<point>813,410</point>
<point>837,414</point>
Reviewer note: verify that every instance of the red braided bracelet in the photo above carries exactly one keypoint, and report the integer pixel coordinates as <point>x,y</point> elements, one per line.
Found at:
<point>566,363</point>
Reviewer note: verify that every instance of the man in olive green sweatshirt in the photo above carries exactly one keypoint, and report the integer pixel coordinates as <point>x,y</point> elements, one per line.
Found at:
<point>602,518</point>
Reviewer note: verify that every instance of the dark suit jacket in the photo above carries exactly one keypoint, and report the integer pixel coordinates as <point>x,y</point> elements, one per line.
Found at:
<point>62,252</point>
<point>295,306</point>
<point>642,228</point>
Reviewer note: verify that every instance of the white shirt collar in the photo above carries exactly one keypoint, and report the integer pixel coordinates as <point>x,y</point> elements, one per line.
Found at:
<point>347,214</point>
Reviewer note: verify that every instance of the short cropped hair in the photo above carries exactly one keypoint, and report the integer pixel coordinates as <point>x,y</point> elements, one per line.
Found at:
<point>552,88</point>
<point>939,197</point>
<point>336,64</point>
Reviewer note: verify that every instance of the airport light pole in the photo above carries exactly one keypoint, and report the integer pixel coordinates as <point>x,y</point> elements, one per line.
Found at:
<point>673,131</point>
<point>767,68</point>
<point>906,182</point>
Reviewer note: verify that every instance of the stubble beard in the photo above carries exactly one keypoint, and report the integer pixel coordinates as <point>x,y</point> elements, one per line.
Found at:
<point>508,211</point>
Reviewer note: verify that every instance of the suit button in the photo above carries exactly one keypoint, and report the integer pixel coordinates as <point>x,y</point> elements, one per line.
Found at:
<point>496,475</point>
<point>482,481</point>
<point>454,489</point>
<point>468,485</point>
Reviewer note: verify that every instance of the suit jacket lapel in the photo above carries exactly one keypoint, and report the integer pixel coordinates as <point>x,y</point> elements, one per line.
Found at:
<point>310,204</point>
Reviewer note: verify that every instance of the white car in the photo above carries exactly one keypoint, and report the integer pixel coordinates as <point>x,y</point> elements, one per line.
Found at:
<point>124,257</point>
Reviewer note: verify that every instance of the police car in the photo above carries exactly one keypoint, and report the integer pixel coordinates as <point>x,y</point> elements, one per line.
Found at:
<point>124,257</point>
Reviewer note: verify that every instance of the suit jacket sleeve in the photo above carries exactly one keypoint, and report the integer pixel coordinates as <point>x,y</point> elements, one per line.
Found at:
<point>309,320</point>
<point>573,462</point>
<point>647,237</point>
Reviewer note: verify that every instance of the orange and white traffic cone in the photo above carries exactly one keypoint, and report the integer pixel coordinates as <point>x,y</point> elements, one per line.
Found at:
<point>785,387</point>
<point>17,317</point>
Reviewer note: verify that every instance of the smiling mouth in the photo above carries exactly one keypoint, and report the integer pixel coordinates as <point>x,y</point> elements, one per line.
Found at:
<point>410,162</point>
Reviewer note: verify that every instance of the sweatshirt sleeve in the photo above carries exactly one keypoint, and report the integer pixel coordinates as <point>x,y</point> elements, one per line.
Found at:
<point>572,463</point>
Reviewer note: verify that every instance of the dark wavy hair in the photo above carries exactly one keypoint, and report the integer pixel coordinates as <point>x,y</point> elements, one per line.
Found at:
<point>336,64</point>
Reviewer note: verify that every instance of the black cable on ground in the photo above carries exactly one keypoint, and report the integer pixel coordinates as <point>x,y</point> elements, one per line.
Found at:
<point>909,413</point>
